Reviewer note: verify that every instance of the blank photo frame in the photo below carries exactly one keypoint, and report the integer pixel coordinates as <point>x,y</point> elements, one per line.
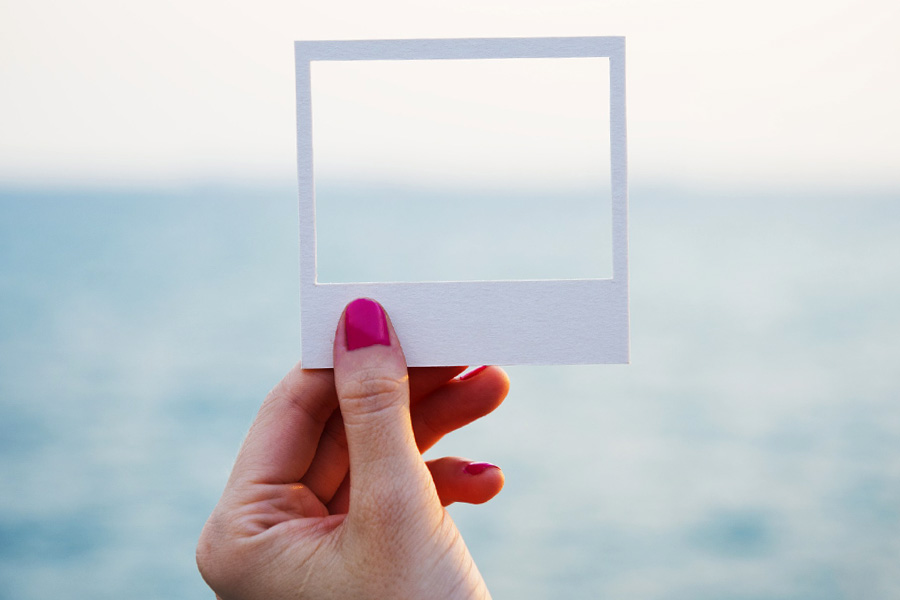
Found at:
<point>562,321</point>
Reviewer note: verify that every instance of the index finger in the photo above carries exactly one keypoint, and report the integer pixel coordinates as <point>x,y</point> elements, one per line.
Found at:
<point>282,441</point>
<point>425,380</point>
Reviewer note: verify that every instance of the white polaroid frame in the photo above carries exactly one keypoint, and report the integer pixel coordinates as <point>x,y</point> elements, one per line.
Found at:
<point>564,321</point>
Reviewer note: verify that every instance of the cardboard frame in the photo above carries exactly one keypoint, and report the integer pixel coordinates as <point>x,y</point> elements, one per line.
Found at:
<point>562,321</point>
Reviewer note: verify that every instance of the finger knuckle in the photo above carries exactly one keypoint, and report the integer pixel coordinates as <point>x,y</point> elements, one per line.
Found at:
<point>209,555</point>
<point>222,559</point>
<point>291,394</point>
<point>372,390</point>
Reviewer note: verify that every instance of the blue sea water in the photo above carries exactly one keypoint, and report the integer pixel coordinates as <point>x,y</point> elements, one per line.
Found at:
<point>750,451</point>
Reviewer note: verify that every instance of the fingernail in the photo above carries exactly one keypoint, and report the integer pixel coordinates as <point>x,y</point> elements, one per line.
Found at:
<point>477,468</point>
<point>365,324</point>
<point>472,373</point>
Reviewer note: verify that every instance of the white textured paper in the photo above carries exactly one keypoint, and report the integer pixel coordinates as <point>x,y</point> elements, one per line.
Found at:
<point>565,321</point>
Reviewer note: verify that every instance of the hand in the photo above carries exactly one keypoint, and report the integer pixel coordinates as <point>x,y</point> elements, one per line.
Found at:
<point>290,524</point>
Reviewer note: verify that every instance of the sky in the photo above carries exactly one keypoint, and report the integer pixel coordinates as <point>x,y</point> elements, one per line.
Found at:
<point>489,121</point>
<point>773,92</point>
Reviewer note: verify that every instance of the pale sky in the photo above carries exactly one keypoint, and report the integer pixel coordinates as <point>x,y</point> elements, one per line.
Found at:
<point>772,92</point>
<point>484,122</point>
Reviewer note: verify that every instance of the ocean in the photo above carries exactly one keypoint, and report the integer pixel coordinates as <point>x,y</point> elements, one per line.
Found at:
<point>751,450</point>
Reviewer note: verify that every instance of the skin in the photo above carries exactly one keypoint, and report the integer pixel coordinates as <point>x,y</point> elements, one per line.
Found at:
<point>291,525</point>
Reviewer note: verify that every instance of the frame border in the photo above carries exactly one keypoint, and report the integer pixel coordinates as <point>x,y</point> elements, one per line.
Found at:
<point>553,321</point>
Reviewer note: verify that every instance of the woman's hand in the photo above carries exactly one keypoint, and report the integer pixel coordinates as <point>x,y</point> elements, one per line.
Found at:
<point>290,524</point>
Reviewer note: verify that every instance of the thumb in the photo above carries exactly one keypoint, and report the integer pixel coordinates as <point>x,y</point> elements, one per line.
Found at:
<point>386,468</point>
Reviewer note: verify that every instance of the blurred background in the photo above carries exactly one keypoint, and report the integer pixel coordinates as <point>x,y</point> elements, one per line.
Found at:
<point>149,292</point>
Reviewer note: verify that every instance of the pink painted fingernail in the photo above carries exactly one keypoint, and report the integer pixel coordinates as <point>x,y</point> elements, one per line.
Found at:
<point>477,468</point>
<point>472,373</point>
<point>366,324</point>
